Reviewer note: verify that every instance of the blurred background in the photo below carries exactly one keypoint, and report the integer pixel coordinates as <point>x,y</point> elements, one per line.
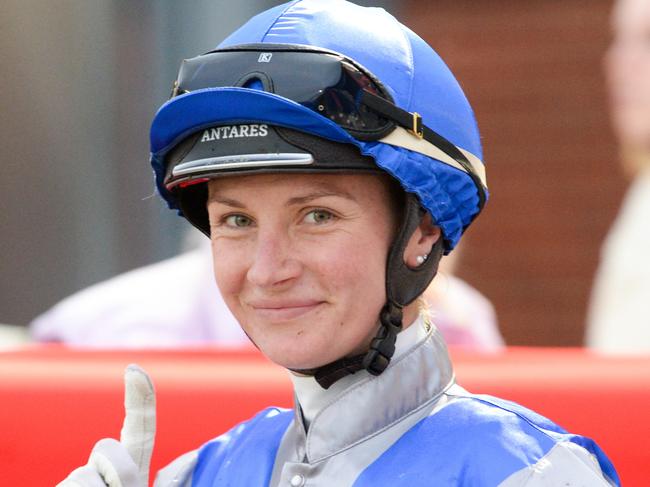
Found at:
<point>82,80</point>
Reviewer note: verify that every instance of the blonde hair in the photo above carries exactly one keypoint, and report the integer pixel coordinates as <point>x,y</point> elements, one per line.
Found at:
<point>423,308</point>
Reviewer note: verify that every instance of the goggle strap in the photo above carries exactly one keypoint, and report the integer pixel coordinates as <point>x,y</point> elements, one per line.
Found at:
<point>413,123</point>
<point>401,137</point>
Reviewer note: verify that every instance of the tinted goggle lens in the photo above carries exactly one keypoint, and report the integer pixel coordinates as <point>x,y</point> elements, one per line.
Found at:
<point>329,84</point>
<point>324,82</point>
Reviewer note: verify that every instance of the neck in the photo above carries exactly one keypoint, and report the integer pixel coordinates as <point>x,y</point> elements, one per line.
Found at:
<point>311,397</point>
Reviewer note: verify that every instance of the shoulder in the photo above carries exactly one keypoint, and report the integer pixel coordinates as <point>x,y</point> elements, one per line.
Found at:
<point>125,310</point>
<point>565,464</point>
<point>250,446</point>
<point>499,430</point>
<point>486,440</point>
<point>483,410</point>
<point>521,440</point>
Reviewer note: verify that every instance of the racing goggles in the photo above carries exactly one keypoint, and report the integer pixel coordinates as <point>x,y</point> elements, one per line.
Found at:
<point>331,85</point>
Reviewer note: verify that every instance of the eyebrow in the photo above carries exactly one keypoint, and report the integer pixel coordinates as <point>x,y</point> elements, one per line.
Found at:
<point>226,201</point>
<point>300,200</point>
<point>297,200</point>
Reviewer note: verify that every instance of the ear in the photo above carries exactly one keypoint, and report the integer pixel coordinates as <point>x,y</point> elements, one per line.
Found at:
<point>421,242</point>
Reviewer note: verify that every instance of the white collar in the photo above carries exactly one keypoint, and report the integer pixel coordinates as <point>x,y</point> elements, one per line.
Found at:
<point>359,405</point>
<point>312,397</point>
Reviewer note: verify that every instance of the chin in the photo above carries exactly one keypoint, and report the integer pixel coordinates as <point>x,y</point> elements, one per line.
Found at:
<point>293,364</point>
<point>297,362</point>
<point>296,356</point>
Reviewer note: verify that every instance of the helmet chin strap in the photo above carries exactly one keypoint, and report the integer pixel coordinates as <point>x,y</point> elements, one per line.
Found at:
<point>403,286</point>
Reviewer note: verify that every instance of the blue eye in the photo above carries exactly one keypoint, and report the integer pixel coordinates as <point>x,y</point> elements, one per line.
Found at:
<point>238,221</point>
<point>318,216</point>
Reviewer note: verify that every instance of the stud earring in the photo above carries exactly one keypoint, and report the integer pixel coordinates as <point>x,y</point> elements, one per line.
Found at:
<point>420,259</point>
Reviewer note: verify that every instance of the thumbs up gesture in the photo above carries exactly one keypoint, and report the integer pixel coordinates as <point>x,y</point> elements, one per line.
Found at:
<point>124,463</point>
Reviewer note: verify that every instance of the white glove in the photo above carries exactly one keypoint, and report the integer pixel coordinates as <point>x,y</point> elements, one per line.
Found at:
<point>124,463</point>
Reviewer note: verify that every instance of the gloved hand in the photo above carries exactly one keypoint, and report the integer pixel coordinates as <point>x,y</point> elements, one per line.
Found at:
<point>124,463</point>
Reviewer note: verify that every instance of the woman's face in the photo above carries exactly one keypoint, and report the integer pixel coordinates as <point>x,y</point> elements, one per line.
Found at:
<point>627,66</point>
<point>300,261</point>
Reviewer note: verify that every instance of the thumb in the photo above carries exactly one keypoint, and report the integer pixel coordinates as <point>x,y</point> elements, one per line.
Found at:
<point>139,428</point>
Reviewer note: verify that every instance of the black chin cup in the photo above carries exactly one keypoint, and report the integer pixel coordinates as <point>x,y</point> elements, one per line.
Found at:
<point>403,285</point>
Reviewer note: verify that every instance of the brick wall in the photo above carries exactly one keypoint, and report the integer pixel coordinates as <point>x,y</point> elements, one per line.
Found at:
<point>532,71</point>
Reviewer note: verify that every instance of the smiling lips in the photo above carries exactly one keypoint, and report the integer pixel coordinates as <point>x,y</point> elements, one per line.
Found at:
<point>283,310</point>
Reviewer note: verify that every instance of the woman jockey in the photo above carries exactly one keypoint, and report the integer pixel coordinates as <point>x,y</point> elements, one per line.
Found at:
<point>332,158</point>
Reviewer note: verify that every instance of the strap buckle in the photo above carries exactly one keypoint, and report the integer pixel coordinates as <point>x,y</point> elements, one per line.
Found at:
<point>416,128</point>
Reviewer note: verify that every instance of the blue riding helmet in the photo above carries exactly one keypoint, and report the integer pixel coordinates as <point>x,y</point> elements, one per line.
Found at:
<point>451,187</point>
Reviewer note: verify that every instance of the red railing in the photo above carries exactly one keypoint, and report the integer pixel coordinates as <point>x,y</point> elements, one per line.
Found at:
<point>56,402</point>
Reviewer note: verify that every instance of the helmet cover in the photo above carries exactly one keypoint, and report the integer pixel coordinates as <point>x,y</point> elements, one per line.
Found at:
<point>414,75</point>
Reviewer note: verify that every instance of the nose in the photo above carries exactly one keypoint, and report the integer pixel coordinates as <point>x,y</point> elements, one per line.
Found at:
<point>274,262</point>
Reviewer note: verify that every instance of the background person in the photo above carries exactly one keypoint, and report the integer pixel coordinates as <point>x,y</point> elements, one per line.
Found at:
<point>619,313</point>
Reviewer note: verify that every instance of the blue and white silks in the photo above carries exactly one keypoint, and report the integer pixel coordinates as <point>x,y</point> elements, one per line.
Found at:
<point>411,426</point>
